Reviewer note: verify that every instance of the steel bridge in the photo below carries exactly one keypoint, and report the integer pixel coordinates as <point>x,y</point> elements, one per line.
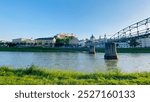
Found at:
<point>135,31</point>
<point>138,30</point>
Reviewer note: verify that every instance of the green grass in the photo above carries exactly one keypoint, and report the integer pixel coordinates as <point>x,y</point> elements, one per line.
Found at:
<point>40,76</point>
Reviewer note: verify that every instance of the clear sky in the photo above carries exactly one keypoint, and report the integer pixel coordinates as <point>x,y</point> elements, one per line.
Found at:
<point>45,18</point>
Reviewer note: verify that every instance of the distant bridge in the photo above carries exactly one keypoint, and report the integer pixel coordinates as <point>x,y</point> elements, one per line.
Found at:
<point>135,31</point>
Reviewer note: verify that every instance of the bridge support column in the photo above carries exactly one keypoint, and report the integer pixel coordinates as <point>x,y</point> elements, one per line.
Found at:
<point>110,51</point>
<point>92,49</point>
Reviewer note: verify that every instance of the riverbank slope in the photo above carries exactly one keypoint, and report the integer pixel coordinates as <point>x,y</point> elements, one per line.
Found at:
<point>39,76</point>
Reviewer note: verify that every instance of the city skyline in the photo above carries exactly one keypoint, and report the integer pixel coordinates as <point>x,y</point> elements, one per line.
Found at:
<point>45,18</point>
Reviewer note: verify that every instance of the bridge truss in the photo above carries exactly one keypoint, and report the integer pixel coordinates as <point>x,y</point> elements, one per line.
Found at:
<point>138,30</point>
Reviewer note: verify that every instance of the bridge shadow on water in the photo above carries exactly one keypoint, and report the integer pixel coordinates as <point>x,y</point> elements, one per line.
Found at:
<point>111,65</point>
<point>107,65</point>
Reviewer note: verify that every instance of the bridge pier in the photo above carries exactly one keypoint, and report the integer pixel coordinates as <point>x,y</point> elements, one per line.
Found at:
<point>92,49</point>
<point>110,51</point>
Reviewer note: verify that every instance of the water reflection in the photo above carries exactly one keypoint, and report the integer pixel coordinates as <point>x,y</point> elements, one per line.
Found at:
<point>111,65</point>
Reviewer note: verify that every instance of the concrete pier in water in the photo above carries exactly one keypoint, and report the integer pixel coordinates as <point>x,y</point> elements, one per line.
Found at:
<point>92,49</point>
<point>110,51</point>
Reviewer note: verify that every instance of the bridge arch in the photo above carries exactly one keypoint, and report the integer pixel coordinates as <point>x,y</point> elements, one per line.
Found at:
<point>137,30</point>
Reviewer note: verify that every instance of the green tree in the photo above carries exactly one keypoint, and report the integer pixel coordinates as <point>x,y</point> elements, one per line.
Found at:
<point>134,43</point>
<point>64,41</point>
<point>11,44</point>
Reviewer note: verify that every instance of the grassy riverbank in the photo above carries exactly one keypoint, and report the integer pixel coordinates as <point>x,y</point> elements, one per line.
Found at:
<point>40,49</point>
<point>34,76</point>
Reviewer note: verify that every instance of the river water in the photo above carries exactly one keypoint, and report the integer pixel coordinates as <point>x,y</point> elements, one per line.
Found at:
<point>84,62</point>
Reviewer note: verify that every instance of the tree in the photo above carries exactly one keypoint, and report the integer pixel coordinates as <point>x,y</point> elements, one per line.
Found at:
<point>11,44</point>
<point>59,42</point>
<point>134,43</point>
<point>62,42</point>
<point>1,43</point>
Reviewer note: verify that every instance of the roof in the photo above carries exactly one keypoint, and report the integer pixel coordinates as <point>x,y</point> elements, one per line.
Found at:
<point>48,38</point>
<point>92,37</point>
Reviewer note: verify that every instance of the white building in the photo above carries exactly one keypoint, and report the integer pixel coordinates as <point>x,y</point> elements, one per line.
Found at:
<point>63,35</point>
<point>122,45</point>
<point>49,41</point>
<point>74,41</point>
<point>90,42</point>
<point>82,43</point>
<point>145,42</point>
<point>100,44</point>
<point>22,40</point>
<point>92,38</point>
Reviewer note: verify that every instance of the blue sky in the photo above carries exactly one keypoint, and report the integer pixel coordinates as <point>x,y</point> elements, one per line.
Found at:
<point>45,18</point>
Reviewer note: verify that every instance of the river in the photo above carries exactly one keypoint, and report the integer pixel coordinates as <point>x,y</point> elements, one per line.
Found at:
<point>83,62</point>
